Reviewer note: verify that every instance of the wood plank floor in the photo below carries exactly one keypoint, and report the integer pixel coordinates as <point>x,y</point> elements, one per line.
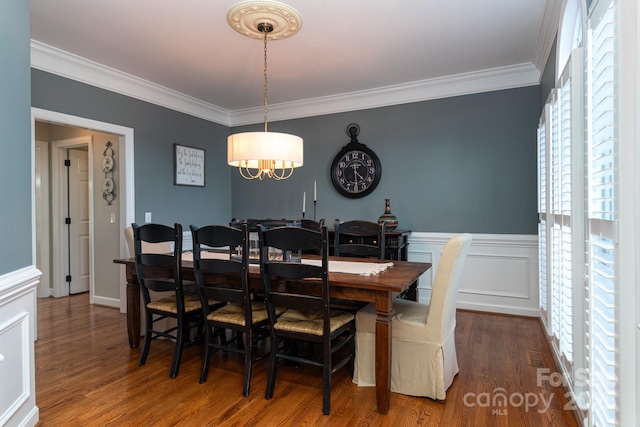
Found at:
<point>86,375</point>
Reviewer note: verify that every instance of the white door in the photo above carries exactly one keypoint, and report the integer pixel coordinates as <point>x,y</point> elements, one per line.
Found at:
<point>79,238</point>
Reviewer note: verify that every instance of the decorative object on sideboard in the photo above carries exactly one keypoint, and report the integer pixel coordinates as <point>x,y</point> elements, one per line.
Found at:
<point>304,203</point>
<point>388,217</point>
<point>108,185</point>
<point>315,199</point>
<point>356,170</point>
<point>264,154</point>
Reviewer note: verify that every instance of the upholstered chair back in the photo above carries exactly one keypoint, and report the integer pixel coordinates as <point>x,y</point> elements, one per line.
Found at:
<point>441,320</point>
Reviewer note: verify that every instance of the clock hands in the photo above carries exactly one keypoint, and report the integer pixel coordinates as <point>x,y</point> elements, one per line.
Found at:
<point>354,166</point>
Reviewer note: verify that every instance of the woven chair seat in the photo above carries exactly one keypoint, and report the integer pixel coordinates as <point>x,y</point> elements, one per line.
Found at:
<point>234,313</point>
<point>168,304</point>
<point>311,322</point>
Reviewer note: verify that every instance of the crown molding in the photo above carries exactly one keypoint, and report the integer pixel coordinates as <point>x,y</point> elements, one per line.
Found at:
<point>548,32</point>
<point>59,62</point>
<point>53,60</point>
<point>444,87</point>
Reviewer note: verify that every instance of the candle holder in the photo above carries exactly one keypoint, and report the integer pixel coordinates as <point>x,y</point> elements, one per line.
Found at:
<point>314,210</point>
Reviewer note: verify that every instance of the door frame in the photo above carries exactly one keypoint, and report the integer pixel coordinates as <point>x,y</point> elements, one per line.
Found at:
<point>125,175</point>
<point>41,184</point>
<point>59,200</point>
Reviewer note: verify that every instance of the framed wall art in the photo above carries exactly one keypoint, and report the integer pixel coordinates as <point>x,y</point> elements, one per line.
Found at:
<point>188,166</point>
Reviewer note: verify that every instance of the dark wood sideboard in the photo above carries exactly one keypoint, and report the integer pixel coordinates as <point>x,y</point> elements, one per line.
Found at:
<point>396,242</point>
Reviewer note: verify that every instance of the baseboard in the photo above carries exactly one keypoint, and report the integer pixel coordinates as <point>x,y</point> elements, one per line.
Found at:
<point>32,418</point>
<point>106,301</point>
<point>498,309</point>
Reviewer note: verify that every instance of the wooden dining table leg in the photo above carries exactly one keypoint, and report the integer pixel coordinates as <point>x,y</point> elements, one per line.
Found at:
<point>133,307</point>
<point>384,306</point>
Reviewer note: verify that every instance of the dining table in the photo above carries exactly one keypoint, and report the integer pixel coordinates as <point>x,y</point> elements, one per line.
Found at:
<point>393,279</point>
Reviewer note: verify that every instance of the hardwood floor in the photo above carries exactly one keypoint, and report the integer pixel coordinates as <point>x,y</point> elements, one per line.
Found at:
<point>86,375</point>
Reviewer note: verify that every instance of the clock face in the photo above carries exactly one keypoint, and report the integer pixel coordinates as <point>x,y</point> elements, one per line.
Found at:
<point>355,171</point>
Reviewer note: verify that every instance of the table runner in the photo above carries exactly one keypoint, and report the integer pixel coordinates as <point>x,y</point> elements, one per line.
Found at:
<point>348,267</point>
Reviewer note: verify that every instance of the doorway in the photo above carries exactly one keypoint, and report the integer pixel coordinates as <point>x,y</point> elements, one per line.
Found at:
<point>125,212</point>
<point>71,216</point>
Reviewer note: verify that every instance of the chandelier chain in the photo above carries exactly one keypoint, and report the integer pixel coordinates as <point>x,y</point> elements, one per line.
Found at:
<point>265,31</point>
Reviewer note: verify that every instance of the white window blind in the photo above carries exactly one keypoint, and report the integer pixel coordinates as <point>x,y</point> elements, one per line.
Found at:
<point>555,187</point>
<point>557,171</point>
<point>556,282</point>
<point>565,253</point>
<point>602,187</point>
<point>542,253</point>
<point>542,209</point>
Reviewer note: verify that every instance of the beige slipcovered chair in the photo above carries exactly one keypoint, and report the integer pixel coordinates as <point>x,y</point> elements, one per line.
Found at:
<point>423,348</point>
<point>160,248</point>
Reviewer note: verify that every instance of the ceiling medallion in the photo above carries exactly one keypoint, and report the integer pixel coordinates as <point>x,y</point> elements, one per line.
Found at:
<point>245,17</point>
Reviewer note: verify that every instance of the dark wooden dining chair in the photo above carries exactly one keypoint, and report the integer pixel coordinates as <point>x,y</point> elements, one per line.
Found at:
<point>309,316</point>
<point>160,272</point>
<point>311,224</point>
<point>359,238</point>
<point>227,281</point>
<point>163,248</point>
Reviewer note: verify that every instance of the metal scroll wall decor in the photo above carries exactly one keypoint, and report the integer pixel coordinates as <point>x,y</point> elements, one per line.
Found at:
<point>108,185</point>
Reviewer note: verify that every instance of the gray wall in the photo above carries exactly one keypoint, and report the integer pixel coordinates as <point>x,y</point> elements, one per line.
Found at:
<point>466,163</point>
<point>15,134</point>
<point>156,129</point>
<point>459,164</point>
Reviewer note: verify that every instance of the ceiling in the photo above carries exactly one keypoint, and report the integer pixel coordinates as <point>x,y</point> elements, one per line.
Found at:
<point>347,55</point>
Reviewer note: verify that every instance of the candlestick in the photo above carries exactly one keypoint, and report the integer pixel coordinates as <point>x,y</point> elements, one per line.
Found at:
<point>304,202</point>
<point>315,194</point>
<point>314,210</point>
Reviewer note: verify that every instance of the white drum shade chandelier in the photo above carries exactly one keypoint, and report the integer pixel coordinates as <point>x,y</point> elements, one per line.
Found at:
<point>264,154</point>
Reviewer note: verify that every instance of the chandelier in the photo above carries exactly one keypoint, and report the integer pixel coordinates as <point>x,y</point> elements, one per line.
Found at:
<point>264,154</point>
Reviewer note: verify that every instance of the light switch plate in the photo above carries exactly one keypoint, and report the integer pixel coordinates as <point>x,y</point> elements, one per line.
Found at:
<point>147,217</point>
<point>113,217</point>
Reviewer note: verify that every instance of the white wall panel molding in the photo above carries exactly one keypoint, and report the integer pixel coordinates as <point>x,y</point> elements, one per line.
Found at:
<point>18,283</point>
<point>17,361</point>
<point>500,275</point>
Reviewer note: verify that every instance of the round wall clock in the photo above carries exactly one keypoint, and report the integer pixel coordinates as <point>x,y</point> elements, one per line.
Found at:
<point>356,169</point>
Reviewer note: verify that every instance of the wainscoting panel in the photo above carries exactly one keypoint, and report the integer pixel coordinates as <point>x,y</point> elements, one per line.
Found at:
<point>500,274</point>
<point>17,332</point>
